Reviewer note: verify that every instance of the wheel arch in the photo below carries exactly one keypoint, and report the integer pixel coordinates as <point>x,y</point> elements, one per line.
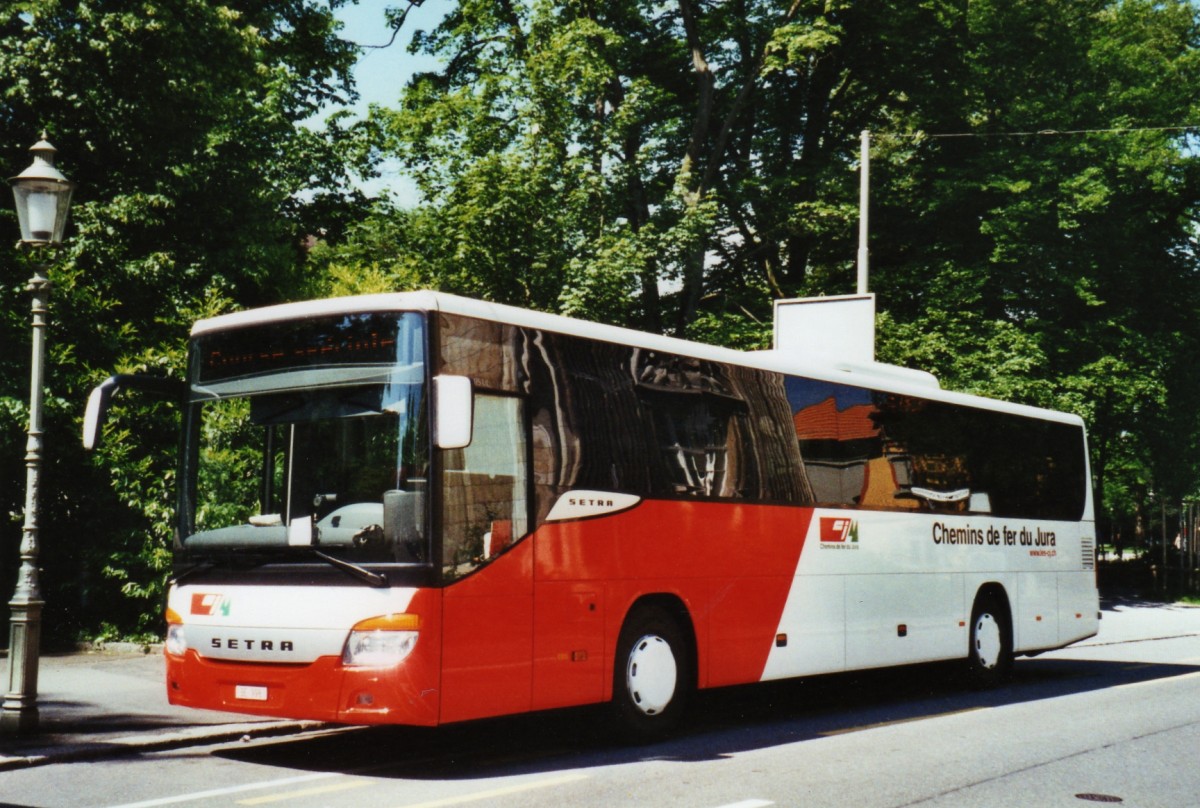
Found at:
<point>995,591</point>
<point>673,606</point>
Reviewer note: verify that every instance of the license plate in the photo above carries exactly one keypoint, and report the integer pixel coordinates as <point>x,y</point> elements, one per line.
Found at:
<point>250,692</point>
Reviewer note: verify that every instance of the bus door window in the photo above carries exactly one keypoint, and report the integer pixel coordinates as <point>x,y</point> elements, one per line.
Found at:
<point>484,500</point>
<point>230,457</point>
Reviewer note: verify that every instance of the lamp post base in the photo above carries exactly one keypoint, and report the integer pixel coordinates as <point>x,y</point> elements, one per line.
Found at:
<point>19,719</point>
<point>19,714</point>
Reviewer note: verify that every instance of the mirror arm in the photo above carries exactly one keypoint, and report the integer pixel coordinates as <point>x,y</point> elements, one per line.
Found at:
<point>102,395</point>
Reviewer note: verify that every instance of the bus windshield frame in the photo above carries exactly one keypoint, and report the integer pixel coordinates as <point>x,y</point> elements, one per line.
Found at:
<point>308,440</point>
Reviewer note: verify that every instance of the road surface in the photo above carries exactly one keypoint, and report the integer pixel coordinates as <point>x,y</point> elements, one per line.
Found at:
<point>1115,720</point>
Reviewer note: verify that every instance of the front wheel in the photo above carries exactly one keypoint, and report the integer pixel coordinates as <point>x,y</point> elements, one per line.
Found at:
<point>990,655</point>
<point>652,675</point>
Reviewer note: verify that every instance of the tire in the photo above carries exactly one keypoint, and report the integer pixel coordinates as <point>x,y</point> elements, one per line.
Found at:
<point>990,653</point>
<point>652,676</point>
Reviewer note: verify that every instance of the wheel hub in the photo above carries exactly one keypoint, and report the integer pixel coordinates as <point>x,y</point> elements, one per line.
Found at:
<point>988,642</point>
<point>651,674</point>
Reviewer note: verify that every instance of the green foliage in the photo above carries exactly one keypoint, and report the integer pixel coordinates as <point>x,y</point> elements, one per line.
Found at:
<point>671,166</point>
<point>1054,268</point>
<point>971,354</point>
<point>229,466</point>
<point>178,119</point>
<point>675,166</point>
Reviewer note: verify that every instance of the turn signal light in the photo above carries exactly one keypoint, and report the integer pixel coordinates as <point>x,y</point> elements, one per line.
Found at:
<point>390,622</point>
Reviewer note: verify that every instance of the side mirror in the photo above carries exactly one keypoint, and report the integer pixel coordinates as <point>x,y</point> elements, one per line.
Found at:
<point>94,415</point>
<point>101,396</point>
<point>453,411</point>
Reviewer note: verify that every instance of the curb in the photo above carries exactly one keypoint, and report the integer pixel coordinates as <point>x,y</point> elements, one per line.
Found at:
<point>130,744</point>
<point>100,647</point>
<point>104,647</point>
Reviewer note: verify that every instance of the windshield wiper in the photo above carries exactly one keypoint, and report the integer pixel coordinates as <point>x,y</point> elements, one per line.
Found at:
<point>361,573</point>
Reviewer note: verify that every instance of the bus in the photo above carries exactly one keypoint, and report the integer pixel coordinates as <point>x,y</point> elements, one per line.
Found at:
<point>418,508</point>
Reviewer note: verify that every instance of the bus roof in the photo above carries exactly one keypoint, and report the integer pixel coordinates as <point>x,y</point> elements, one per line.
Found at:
<point>876,376</point>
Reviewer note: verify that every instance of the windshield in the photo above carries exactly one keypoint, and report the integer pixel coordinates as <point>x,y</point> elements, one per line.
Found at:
<point>309,434</point>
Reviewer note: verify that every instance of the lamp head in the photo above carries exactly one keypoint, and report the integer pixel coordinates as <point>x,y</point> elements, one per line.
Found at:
<point>43,197</point>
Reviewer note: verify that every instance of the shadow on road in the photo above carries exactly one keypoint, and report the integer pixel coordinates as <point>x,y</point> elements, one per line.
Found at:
<point>723,722</point>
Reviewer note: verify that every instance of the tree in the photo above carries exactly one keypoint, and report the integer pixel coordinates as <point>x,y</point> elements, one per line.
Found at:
<point>179,121</point>
<point>678,165</point>
<point>1066,218</point>
<point>655,162</point>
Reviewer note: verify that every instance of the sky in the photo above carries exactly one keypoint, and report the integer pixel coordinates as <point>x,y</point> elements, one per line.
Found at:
<point>381,73</point>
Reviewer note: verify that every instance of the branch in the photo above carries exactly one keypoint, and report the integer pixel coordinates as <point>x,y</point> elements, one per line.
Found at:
<point>396,24</point>
<point>704,87</point>
<point>514,21</point>
<point>739,104</point>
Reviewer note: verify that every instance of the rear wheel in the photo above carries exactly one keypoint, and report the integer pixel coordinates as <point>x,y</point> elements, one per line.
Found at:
<point>990,655</point>
<point>652,675</point>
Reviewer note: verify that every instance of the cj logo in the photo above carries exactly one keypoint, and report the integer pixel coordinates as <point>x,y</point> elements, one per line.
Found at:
<point>209,605</point>
<point>839,530</point>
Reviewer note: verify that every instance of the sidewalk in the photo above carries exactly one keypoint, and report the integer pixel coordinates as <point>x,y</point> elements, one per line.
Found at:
<point>105,703</point>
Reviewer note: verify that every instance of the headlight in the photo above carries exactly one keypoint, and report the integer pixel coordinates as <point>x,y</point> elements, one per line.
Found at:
<point>381,641</point>
<point>176,641</point>
<point>378,648</point>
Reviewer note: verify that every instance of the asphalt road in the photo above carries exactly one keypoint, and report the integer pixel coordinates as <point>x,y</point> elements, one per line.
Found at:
<point>1112,721</point>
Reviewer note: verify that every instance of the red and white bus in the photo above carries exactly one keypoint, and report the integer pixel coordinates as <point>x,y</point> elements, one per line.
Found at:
<point>417,508</point>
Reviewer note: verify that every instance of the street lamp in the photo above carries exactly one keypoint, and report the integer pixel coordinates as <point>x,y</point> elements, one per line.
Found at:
<point>43,197</point>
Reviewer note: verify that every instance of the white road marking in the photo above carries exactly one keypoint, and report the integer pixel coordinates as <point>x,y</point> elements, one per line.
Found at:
<point>306,792</point>
<point>218,792</point>
<point>503,791</point>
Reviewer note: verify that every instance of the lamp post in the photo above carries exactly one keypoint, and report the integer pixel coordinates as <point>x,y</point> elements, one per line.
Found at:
<point>43,198</point>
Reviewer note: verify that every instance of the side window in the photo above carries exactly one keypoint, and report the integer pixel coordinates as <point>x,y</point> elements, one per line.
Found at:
<point>484,504</point>
<point>694,440</point>
<point>1028,467</point>
<point>841,443</point>
<point>694,411</point>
